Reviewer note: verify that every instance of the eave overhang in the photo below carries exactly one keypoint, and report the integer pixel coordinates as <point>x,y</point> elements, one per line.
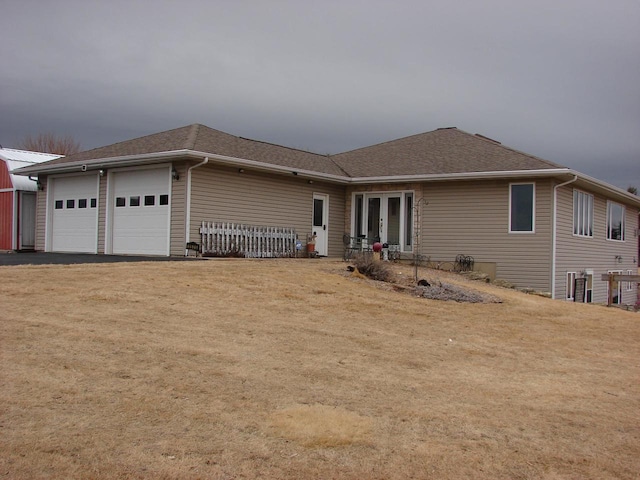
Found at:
<point>583,181</point>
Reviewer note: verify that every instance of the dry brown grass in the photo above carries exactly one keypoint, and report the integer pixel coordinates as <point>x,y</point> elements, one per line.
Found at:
<point>290,369</point>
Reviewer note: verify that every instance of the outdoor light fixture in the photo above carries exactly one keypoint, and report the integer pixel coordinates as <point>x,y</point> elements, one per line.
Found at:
<point>618,258</point>
<point>174,174</point>
<point>39,185</point>
<point>241,170</point>
<point>102,173</point>
<point>310,182</point>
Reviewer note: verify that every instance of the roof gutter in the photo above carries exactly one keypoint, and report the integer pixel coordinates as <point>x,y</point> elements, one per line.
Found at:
<point>87,165</point>
<point>270,167</point>
<point>545,172</point>
<point>159,157</point>
<point>554,241</point>
<point>187,227</point>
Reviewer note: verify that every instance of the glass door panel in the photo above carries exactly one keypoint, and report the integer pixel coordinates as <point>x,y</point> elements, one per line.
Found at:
<point>373,219</point>
<point>393,221</point>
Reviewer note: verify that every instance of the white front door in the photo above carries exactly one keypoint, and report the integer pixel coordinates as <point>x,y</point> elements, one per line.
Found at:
<point>73,214</point>
<point>616,293</point>
<point>320,227</point>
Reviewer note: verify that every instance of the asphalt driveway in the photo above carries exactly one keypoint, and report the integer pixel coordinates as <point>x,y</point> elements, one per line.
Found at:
<point>41,258</point>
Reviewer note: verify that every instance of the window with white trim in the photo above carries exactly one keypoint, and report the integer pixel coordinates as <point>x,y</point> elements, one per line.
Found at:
<point>582,214</point>
<point>522,200</point>
<point>615,221</point>
<point>588,286</point>
<point>571,286</point>
<point>629,285</point>
<point>408,222</point>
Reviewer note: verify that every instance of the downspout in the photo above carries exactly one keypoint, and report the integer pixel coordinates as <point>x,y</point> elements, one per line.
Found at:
<point>554,233</point>
<point>187,227</point>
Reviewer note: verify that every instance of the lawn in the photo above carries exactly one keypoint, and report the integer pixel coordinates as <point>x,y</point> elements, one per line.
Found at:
<point>240,369</point>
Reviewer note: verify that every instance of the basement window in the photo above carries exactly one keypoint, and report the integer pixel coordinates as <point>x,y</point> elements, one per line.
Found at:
<point>571,286</point>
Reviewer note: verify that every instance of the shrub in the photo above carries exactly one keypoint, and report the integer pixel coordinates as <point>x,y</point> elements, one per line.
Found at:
<point>374,269</point>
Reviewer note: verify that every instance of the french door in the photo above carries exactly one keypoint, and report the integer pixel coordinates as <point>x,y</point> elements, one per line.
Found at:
<point>385,218</point>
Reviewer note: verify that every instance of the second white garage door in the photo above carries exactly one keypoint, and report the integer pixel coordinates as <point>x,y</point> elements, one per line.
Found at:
<point>140,209</point>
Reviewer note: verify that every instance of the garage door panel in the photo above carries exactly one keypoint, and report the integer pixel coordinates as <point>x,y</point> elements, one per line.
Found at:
<point>141,212</point>
<point>74,214</point>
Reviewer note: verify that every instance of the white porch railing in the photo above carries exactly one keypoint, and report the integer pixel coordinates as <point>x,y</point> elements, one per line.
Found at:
<point>237,240</point>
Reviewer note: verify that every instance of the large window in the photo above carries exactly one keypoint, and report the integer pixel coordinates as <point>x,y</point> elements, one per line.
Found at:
<point>522,208</point>
<point>615,221</point>
<point>582,214</point>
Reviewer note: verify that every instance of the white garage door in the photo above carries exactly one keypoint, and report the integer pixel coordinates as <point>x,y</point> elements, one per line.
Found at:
<point>141,212</point>
<point>74,214</point>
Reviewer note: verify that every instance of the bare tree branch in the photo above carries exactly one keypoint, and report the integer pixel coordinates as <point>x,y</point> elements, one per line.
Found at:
<point>50,143</point>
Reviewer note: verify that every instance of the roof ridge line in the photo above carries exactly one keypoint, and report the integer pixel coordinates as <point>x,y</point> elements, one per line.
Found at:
<point>507,147</point>
<point>398,139</point>
<point>192,137</point>
<point>281,146</point>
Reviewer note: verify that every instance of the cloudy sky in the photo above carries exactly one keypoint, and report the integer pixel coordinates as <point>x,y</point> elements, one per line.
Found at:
<point>559,79</point>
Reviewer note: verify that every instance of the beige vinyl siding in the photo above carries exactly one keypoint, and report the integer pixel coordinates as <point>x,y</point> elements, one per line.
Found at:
<point>220,194</point>
<point>178,212</point>
<point>577,254</point>
<point>41,213</point>
<point>102,212</point>
<point>472,218</point>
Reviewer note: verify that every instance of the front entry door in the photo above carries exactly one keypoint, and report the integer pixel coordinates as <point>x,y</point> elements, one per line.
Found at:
<point>321,223</point>
<point>383,219</point>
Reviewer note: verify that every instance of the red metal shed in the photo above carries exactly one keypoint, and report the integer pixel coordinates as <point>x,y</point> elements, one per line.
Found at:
<point>18,199</point>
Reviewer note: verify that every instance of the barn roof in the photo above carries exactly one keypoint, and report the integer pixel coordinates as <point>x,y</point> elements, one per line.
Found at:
<point>15,159</point>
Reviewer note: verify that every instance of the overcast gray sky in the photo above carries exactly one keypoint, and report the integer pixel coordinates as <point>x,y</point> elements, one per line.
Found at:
<point>559,79</point>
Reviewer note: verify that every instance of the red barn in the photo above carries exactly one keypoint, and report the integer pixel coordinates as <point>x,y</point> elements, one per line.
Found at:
<point>18,199</point>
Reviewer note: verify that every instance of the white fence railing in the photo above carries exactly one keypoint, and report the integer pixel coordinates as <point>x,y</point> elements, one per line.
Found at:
<point>237,240</point>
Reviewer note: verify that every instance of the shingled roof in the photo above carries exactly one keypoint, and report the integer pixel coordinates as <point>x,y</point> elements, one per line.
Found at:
<point>442,151</point>
<point>200,138</point>
<point>446,151</point>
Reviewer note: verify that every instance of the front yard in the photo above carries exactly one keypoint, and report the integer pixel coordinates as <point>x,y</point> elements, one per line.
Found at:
<point>292,369</point>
